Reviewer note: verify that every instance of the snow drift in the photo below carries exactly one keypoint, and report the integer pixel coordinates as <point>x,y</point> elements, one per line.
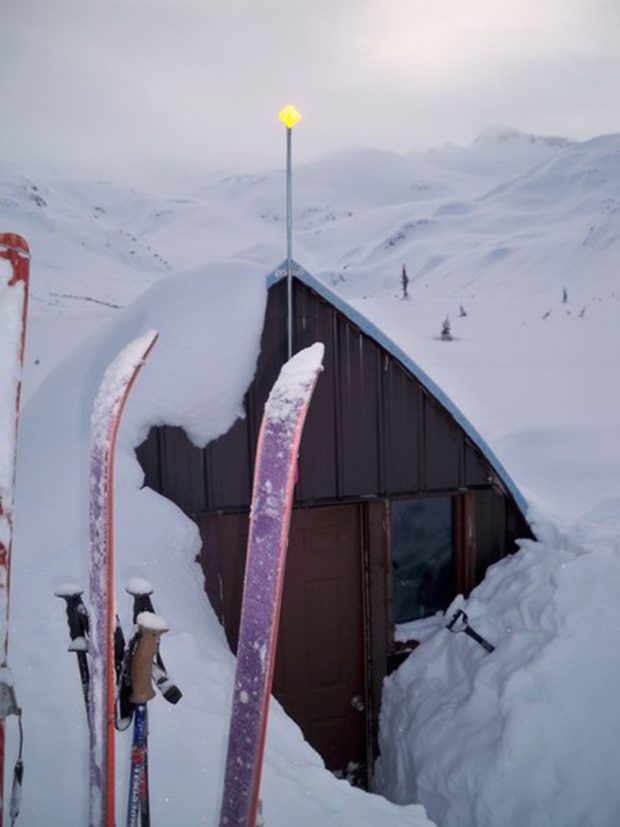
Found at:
<point>528,734</point>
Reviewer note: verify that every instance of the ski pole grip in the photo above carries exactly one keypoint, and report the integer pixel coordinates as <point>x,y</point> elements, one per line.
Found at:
<point>151,628</point>
<point>77,617</point>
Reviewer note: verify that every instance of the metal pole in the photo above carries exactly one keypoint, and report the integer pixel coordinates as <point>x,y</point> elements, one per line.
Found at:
<point>289,241</point>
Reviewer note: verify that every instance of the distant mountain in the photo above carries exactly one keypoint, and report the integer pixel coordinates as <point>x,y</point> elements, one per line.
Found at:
<point>506,134</point>
<point>509,212</point>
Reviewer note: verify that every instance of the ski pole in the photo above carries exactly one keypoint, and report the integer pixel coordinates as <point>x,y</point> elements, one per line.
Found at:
<point>151,628</point>
<point>123,710</point>
<point>77,618</point>
<point>18,777</point>
<point>141,591</point>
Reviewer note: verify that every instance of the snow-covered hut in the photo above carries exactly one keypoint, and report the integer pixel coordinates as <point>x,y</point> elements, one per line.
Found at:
<point>400,506</point>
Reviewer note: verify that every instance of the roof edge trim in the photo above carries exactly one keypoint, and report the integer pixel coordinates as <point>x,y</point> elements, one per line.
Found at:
<point>371,330</point>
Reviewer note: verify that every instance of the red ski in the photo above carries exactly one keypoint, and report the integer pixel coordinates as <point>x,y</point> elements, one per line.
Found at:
<point>14,273</point>
<point>113,393</point>
<point>272,501</point>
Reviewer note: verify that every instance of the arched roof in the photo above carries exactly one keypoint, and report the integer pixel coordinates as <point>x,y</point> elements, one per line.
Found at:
<point>379,336</point>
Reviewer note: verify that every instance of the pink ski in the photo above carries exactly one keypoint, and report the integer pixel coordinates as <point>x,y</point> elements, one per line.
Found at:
<point>272,500</point>
<point>14,274</point>
<point>113,393</point>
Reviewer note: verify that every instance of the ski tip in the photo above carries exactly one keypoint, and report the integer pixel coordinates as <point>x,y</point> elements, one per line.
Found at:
<point>309,359</point>
<point>296,379</point>
<point>14,243</point>
<point>151,621</point>
<point>138,586</point>
<point>302,367</point>
<point>68,590</point>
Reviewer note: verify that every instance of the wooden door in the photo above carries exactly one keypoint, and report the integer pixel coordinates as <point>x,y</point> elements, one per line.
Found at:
<point>319,675</point>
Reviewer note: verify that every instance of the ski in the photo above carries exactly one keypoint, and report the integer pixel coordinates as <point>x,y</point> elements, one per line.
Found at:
<point>109,404</point>
<point>14,276</point>
<point>272,500</point>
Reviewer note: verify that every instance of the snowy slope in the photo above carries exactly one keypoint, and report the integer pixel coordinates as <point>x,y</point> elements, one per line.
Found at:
<point>500,228</point>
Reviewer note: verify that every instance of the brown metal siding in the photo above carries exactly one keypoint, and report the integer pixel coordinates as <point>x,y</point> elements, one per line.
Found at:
<point>372,429</point>
<point>182,470</point>
<point>476,469</point>
<point>318,479</point>
<point>401,432</point>
<point>224,539</point>
<point>231,452</point>
<point>358,437</point>
<point>443,449</point>
<point>490,530</point>
<point>272,357</point>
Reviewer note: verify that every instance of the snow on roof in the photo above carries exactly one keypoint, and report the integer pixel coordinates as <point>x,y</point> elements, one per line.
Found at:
<point>379,336</point>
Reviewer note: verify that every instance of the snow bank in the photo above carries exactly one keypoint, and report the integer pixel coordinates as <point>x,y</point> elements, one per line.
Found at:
<point>528,734</point>
<point>209,324</point>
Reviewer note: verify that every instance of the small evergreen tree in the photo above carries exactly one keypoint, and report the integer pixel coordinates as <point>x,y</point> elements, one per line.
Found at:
<point>462,312</point>
<point>404,282</point>
<point>582,312</point>
<point>446,333</point>
<point>564,296</point>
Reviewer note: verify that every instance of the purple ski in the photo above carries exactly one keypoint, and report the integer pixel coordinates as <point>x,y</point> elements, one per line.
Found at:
<point>113,393</point>
<point>272,500</point>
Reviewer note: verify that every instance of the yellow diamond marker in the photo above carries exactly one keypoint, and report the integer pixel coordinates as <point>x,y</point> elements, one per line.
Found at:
<point>289,116</point>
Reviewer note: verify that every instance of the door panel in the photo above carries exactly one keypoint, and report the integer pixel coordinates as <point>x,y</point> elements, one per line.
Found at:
<point>320,663</point>
<point>320,657</point>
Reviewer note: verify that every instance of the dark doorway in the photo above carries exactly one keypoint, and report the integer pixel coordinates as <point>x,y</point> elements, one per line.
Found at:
<point>320,674</point>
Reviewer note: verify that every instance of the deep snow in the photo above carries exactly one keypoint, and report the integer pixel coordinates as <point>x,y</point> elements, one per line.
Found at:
<point>524,736</point>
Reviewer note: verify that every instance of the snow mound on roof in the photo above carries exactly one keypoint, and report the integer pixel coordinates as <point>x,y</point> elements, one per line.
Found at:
<point>209,323</point>
<point>527,734</point>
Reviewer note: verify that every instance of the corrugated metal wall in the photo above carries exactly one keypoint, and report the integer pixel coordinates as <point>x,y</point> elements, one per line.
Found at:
<point>372,429</point>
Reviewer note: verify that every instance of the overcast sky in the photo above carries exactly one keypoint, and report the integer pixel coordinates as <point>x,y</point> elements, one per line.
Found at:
<point>105,82</point>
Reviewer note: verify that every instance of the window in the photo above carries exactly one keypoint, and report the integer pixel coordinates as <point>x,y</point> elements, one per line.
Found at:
<point>421,539</point>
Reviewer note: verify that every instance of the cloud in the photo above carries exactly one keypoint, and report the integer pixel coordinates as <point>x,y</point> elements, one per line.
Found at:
<point>113,82</point>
